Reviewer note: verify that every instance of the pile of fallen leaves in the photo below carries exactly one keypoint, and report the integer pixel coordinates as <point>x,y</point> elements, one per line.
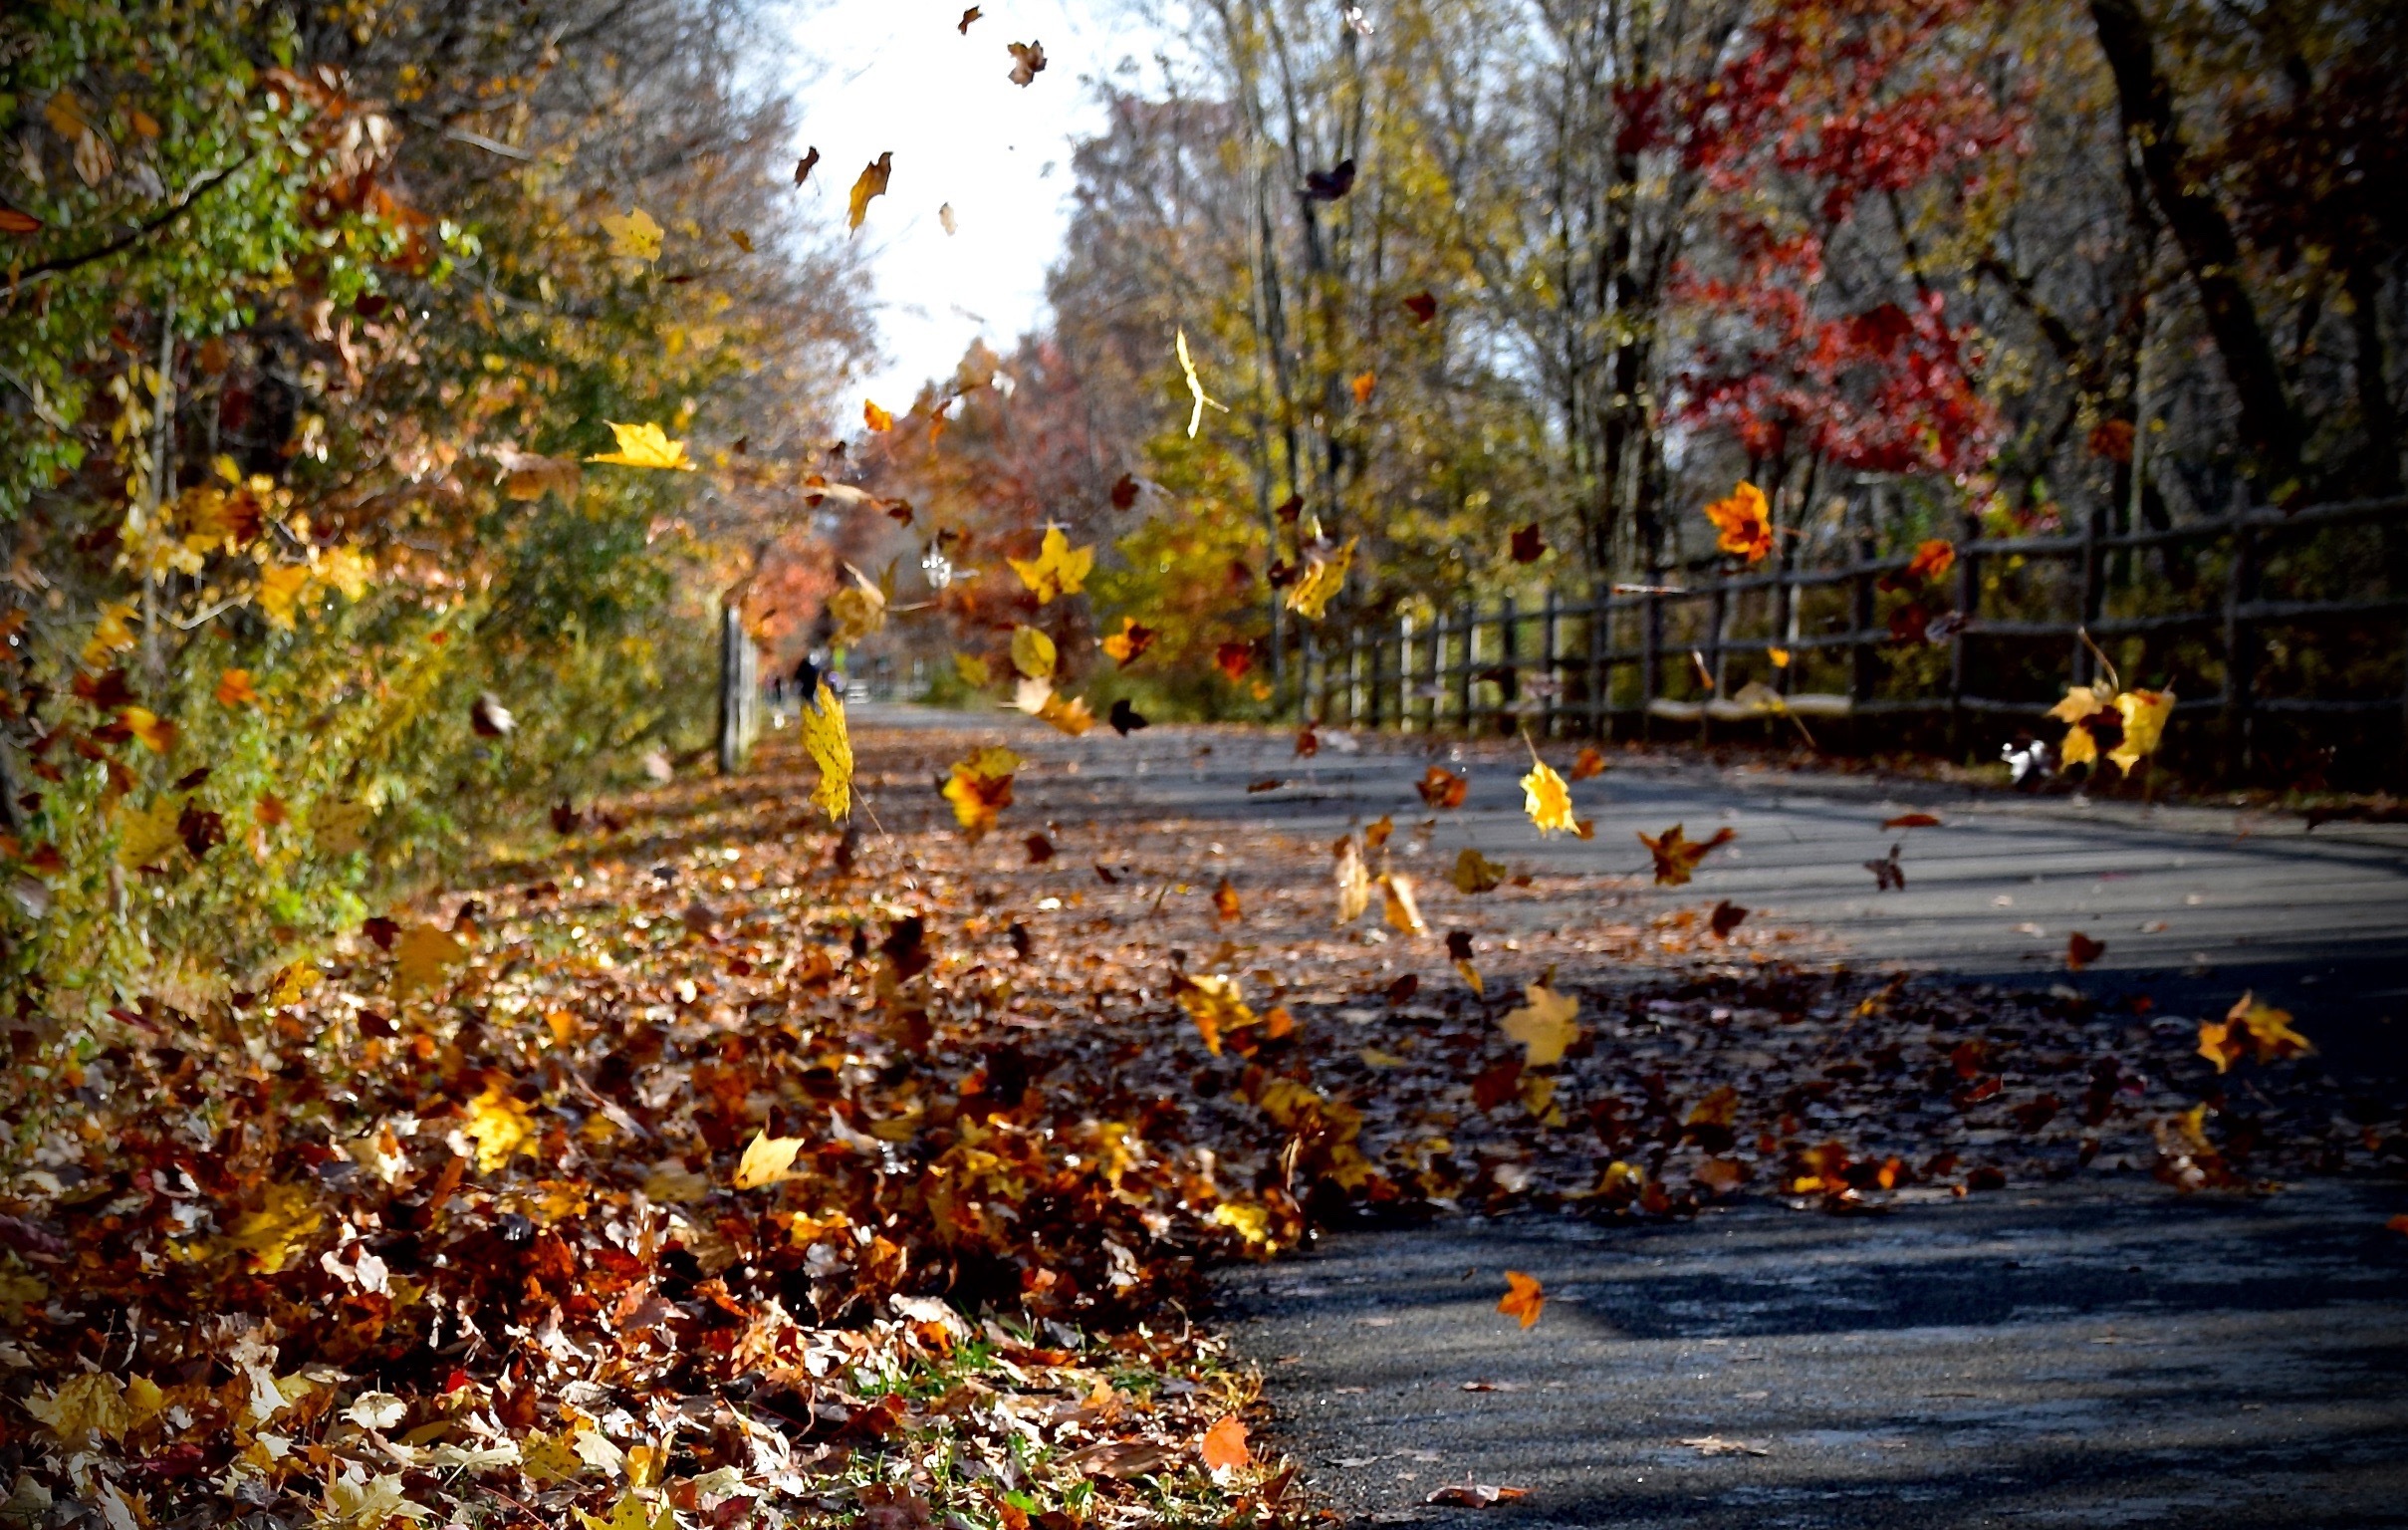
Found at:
<point>728,1166</point>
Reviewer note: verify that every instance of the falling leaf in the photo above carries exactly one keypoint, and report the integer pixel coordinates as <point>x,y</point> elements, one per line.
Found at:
<point>1131,642</point>
<point>1234,660</point>
<point>1589,763</point>
<point>968,16</point>
<point>829,742</point>
<point>1475,872</point>
<point>803,166</point>
<point>1911,821</point>
<point>634,235</point>
<point>2081,951</point>
<point>1398,906</point>
<point>281,588</point>
<point>1330,185</point>
<point>499,1124</point>
<point>1422,305</point>
<point>973,671</point>
<point>1932,560</point>
<point>529,476</point>
<point>2247,1025</point>
<point>1715,1444</point>
<point>858,609</point>
<point>1376,834</point>
<point>1224,1447</point>
<point>944,216</point>
<point>1743,523</point>
<point>1548,800</point>
<point>1888,874</point>
<point>1442,788</point>
<point>1307,741</point>
<point>1033,653</point>
<point>1067,714</point>
<point>980,787</point>
<point>1124,718</point>
<point>1779,657</point>
<point>421,956</point>
<point>875,418</point>
<point>1528,546</point>
<point>767,1159</point>
<point>234,689</point>
<point>1059,569</point>
<point>489,718</point>
<point>1354,881</point>
<point>1676,856</point>
<point>740,239</point>
<point>1544,1026</point>
<point>1195,387</point>
<point>15,220</point>
<point>1124,491</point>
<point>2144,713</point>
<point>1524,1299</point>
<point>1028,62</point>
<point>1363,384</point>
<point>873,182</point>
<point>143,837</point>
<point>644,445</point>
<point>151,731</point>
<point>1225,903</point>
<point>1217,1005</point>
<point>1725,918</point>
<point>1321,579</point>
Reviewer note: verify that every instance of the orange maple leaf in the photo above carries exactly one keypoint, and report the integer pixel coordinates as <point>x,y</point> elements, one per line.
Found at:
<point>1676,856</point>
<point>1744,522</point>
<point>1523,1298</point>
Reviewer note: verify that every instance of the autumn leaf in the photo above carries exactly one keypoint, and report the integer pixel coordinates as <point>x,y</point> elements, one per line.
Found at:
<point>803,166</point>
<point>2081,950</point>
<point>1131,642</point>
<point>980,787</point>
<point>767,1159</point>
<point>1067,714</point>
<point>421,956</point>
<point>1475,872</point>
<point>1124,718</point>
<point>1354,881</point>
<point>968,16</point>
<point>1195,387</point>
<point>1028,62</point>
<point>1932,560</point>
<point>1234,660</point>
<point>1442,788</point>
<point>2250,1025</point>
<point>234,689</point>
<point>1225,903</point>
<point>1527,544</point>
<point>1548,800</point>
<point>1543,1025</point>
<point>1397,905</point>
<point>529,476</point>
<point>1676,856</point>
<point>944,216</point>
<point>85,1406</point>
<point>272,1232</point>
<point>15,220</point>
<point>1320,580</point>
<point>858,609</point>
<point>829,742</point>
<point>1743,523</point>
<point>151,730</point>
<point>144,836</point>
<point>634,235</point>
<point>1034,653</point>
<point>1057,570</point>
<point>281,588</point>
<point>973,671</point>
<point>1911,821</point>
<point>2145,713</point>
<point>740,239</point>
<point>1422,305</point>
<point>644,445</point>
<point>1217,1005</point>
<point>875,418</point>
<point>1375,833</point>
<point>1224,1447</point>
<point>1725,918</point>
<point>1363,384</point>
<point>498,1122</point>
<point>873,182</point>
<point>1524,1298</point>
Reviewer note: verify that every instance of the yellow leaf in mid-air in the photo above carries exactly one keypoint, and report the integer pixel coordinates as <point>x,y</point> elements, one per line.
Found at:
<point>1253,1223</point>
<point>1397,906</point>
<point>1067,714</point>
<point>154,732</point>
<point>980,787</point>
<point>634,235</point>
<point>270,1234</point>
<point>644,445</point>
<point>1743,522</point>
<point>1475,872</point>
<point>2078,748</point>
<point>1059,569</point>
<point>2247,1025</point>
<point>1354,881</point>
<point>499,1124</point>
<point>741,239</point>
<point>829,745</point>
<point>421,956</point>
<point>973,671</point>
<point>1195,387</point>
<point>281,587</point>
<point>2145,713</point>
<point>877,419</point>
<point>767,1159</point>
<point>143,837</point>
<point>860,608</point>
<point>111,633</point>
<point>1548,800</point>
<point>1127,644</point>
<point>1217,1005</point>
<point>1321,579</point>
<point>1033,653</point>
<point>1523,1298</point>
<point>871,182</point>
<point>2082,703</point>
<point>1544,1026</point>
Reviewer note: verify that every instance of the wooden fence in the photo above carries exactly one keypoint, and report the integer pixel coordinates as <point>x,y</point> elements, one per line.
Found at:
<point>2216,618</point>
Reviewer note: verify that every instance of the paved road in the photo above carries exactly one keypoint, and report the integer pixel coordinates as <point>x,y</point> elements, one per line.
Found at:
<point>2107,1353</point>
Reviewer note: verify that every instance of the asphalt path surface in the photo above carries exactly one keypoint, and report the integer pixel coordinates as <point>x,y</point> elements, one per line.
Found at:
<point>2099,1353</point>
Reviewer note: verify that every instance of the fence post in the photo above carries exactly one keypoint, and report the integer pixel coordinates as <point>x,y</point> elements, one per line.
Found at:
<point>1468,623</point>
<point>1553,686</point>
<point>2093,593</point>
<point>1969,603</point>
<point>1651,653</point>
<point>2239,644</point>
<point>739,683</point>
<point>1509,649</point>
<point>1599,613</point>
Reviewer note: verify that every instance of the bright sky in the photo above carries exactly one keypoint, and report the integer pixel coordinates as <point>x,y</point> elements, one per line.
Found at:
<point>896,74</point>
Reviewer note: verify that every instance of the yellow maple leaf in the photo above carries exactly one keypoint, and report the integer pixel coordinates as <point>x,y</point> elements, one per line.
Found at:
<point>154,732</point>
<point>973,671</point>
<point>1354,881</point>
<point>147,835</point>
<point>980,787</point>
<point>1070,716</point>
<point>88,1405</point>
<point>644,445</point>
<point>270,1234</point>
<point>1217,1005</point>
<point>1033,653</point>
<point>1125,646</point>
<point>1321,579</point>
<point>499,1124</point>
<point>1523,1299</point>
<point>422,957</point>
<point>1548,800</point>
<point>2145,713</point>
<point>634,235</point>
<point>1543,1025</point>
<point>1059,569</point>
<point>829,742</point>
<point>860,608</point>
<point>110,634</point>
<point>632,1512</point>
<point>1397,906</point>
<point>881,421</point>
<point>281,588</point>
<point>1195,388</point>
<point>2247,1025</point>
<point>767,1159</point>
<point>871,182</point>
<point>1743,523</point>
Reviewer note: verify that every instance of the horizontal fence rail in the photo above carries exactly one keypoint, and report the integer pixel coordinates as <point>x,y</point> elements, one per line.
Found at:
<point>2245,615</point>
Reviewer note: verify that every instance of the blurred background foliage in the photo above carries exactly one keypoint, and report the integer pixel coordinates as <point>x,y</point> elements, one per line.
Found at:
<point>310,313</point>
